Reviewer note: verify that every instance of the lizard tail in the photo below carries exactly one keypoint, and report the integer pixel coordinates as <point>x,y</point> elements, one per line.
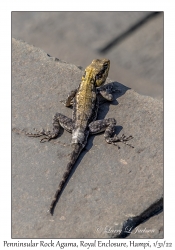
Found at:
<point>73,157</point>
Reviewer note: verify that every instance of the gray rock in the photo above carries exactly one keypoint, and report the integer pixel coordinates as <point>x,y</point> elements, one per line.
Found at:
<point>77,37</point>
<point>141,55</point>
<point>107,185</point>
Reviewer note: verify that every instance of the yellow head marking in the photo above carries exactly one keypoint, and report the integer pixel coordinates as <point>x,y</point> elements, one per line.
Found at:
<point>101,69</point>
<point>98,71</point>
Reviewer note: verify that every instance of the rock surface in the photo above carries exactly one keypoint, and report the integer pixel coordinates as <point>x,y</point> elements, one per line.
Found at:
<point>77,37</point>
<point>107,185</point>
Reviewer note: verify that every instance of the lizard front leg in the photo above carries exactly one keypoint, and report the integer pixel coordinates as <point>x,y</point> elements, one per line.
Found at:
<point>108,125</point>
<point>69,100</point>
<point>107,90</point>
<point>59,120</point>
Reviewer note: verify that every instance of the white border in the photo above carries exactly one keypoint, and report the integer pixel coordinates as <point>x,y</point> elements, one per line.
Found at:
<point>5,93</point>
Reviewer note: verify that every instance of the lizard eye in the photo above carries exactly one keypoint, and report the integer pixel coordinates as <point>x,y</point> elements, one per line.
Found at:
<point>98,76</point>
<point>105,64</point>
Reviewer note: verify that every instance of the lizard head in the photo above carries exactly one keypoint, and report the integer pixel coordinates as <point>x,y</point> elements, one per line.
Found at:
<point>101,69</point>
<point>98,71</point>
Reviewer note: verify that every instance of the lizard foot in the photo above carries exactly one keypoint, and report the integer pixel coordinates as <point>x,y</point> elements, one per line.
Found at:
<point>123,138</point>
<point>64,102</point>
<point>48,135</point>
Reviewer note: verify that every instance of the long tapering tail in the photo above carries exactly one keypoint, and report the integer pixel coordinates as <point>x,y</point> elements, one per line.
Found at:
<point>77,148</point>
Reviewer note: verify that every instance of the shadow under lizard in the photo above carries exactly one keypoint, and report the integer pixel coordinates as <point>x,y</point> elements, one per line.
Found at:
<point>85,101</point>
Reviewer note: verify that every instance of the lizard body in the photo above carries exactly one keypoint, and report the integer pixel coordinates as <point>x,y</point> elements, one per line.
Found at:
<point>85,107</point>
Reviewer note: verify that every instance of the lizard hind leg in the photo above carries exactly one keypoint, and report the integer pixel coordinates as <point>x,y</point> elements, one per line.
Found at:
<point>115,139</point>
<point>108,134</point>
<point>59,120</point>
<point>108,125</point>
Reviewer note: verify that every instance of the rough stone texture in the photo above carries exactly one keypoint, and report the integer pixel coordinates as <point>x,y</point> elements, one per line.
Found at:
<point>107,185</point>
<point>76,37</point>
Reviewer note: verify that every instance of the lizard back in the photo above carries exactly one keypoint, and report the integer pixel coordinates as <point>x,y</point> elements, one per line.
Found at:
<point>85,103</point>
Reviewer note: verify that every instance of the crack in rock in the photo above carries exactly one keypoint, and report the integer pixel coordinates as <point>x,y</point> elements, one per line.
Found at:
<point>133,222</point>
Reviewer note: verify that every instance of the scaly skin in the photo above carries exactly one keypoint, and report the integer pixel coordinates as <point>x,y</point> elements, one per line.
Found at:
<point>85,103</point>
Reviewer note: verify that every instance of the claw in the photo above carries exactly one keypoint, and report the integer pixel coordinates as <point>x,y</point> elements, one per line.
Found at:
<point>37,134</point>
<point>63,101</point>
<point>45,139</point>
<point>48,137</point>
<point>122,138</point>
<point>114,143</point>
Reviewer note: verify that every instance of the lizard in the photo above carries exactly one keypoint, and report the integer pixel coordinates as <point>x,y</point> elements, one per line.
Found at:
<point>85,102</point>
